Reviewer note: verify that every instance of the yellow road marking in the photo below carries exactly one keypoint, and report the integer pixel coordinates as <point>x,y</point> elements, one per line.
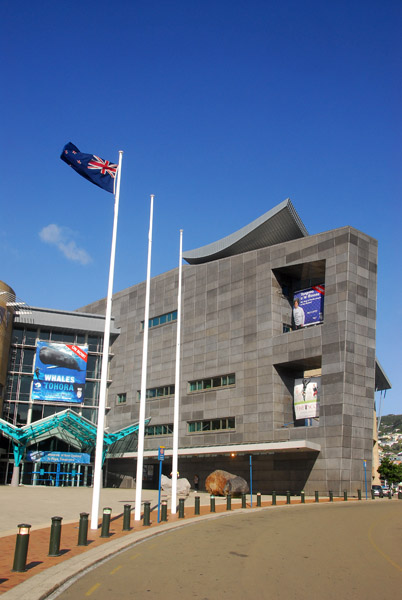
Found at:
<point>92,589</point>
<point>378,549</point>
<point>135,555</point>
<point>115,570</point>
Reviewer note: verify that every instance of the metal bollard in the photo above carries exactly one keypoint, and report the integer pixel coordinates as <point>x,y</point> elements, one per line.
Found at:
<point>147,512</point>
<point>181,508</point>
<point>389,495</point>
<point>345,496</point>
<point>399,495</point>
<point>83,530</point>
<point>287,497</point>
<point>212,503</point>
<point>228,502</point>
<point>273,498</point>
<point>21,548</point>
<point>302,497</point>
<point>258,499</point>
<point>243,501</point>
<point>197,505</point>
<point>106,522</point>
<point>126,517</point>
<point>317,496</point>
<point>331,496</point>
<point>55,535</point>
<point>372,495</point>
<point>359,494</point>
<point>164,510</point>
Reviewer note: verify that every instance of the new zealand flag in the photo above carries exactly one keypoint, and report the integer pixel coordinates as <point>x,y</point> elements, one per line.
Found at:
<point>98,171</point>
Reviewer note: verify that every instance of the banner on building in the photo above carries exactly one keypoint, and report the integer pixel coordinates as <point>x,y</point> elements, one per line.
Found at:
<point>311,301</point>
<point>77,458</point>
<point>307,393</point>
<point>60,372</point>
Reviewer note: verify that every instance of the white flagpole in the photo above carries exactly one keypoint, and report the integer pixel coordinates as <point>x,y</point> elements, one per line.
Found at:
<point>141,429</point>
<point>97,481</point>
<point>177,389</point>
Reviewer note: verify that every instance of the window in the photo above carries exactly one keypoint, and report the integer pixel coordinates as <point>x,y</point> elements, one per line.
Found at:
<point>211,425</point>
<point>30,337</point>
<point>60,336</point>
<point>158,392</point>
<point>95,343</point>
<point>159,429</point>
<point>161,319</point>
<point>94,364</point>
<point>121,398</point>
<point>212,383</point>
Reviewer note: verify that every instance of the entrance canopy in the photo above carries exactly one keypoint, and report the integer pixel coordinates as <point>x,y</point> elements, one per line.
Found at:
<point>67,426</point>
<point>252,448</point>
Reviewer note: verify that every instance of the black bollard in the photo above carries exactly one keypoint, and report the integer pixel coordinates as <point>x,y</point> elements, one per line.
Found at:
<point>372,495</point>
<point>389,495</point>
<point>197,505</point>
<point>302,497</point>
<point>317,496</point>
<point>287,497</point>
<point>126,517</point>
<point>106,522</point>
<point>83,530</point>
<point>359,494</point>
<point>229,502</point>
<point>400,495</point>
<point>331,495</point>
<point>273,498</point>
<point>212,504</point>
<point>55,535</point>
<point>181,508</point>
<point>345,496</point>
<point>164,510</point>
<point>147,512</point>
<point>243,501</point>
<point>258,499</point>
<point>21,548</point>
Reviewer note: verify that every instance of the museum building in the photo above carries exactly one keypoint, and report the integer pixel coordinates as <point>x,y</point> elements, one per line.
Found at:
<point>247,363</point>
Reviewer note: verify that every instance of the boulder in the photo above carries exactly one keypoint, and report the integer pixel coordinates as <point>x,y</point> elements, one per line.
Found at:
<point>222,483</point>
<point>183,486</point>
<point>236,486</point>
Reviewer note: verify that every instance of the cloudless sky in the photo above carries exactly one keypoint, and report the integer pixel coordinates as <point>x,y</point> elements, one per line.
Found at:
<point>223,109</point>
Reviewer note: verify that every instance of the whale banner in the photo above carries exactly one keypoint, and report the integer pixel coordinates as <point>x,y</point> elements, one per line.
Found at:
<point>60,372</point>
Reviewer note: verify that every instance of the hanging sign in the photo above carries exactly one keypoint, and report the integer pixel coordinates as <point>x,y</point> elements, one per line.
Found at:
<point>60,371</point>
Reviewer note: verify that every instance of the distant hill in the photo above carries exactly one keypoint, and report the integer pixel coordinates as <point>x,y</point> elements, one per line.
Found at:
<point>390,424</point>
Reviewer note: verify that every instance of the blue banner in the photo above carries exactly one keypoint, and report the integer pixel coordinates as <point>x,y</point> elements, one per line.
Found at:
<point>60,372</point>
<point>308,306</point>
<point>78,458</point>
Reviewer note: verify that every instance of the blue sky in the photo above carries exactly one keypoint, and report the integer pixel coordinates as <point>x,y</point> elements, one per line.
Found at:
<point>223,109</point>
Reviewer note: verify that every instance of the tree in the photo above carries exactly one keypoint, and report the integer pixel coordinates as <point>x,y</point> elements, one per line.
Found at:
<point>390,471</point>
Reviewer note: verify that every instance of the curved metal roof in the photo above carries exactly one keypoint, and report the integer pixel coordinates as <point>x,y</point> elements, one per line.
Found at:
<point>66,425</point>
<point>280,224</point>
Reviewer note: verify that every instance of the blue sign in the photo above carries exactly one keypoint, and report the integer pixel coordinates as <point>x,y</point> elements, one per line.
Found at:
<point>78,458</point>
<point>309,309</point>
<point>161,453</point>
<point>60,372</point>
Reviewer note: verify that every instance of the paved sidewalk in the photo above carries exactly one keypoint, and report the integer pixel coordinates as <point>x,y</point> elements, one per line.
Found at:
<point>36,505</point>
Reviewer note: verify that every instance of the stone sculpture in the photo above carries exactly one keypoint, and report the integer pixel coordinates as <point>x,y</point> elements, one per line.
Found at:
<point>222,483</point>
<point>183,486</point>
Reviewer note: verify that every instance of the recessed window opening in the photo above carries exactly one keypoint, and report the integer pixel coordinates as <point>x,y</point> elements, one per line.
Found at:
<point>212,383</point>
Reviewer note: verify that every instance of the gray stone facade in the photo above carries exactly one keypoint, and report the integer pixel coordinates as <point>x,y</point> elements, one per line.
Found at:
<point>233,317</point>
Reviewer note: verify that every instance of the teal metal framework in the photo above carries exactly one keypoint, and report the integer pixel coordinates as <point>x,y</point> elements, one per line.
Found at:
<point>68,427</point>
